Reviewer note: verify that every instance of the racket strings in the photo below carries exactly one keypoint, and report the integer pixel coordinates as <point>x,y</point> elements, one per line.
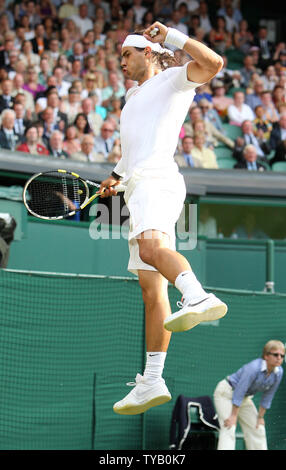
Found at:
<point>56,194</point>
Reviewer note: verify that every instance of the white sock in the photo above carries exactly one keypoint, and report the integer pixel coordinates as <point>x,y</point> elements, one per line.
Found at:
<point>155,362</point>
<point>189,286</point>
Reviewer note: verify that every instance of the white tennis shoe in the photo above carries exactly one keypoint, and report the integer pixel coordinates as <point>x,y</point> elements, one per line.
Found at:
<point>142,397</point>
<point>191,314</point>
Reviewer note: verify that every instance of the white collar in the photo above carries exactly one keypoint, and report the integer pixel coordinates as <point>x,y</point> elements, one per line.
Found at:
<point>264,367</point>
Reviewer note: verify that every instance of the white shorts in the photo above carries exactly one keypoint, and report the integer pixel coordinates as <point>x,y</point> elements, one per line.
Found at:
<point>154,204</point>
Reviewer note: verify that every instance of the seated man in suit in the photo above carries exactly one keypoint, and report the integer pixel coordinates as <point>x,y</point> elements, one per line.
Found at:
<point>261,145</point>
<point>21,121</point>
<point>55,146</point>
<point>6,99</point>
<point>185,158</point>
<point>94,119</point>
<point>87,153</point>
<point>39,42</point>
<point>278,132</point>
<point>9,139</point>
<point>104,142</point>
<point>249,161</point>
<point>53,102</point>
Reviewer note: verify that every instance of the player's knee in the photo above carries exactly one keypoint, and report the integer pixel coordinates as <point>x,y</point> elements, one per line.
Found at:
<point>146,254</point>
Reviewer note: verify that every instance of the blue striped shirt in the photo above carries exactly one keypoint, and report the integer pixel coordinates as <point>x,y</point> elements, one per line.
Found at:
<point>251,379</point>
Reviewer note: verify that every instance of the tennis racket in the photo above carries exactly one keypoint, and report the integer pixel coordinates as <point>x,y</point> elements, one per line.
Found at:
<point>58,194</point>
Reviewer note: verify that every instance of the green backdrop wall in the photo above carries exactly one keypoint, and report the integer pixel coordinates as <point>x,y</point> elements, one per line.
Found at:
<point>68,247</point>
<point>69,343</point>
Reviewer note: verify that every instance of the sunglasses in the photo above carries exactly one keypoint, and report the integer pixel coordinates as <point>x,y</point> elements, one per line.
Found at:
<point>277,355</point>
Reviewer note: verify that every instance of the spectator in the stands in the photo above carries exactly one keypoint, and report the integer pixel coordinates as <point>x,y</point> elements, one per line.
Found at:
<point>61,84</point>
<point>185,159</point>
<point>204,155</point>
<point>260,123</point>
<point>199,127</point>
<point>219,37</point>
<point>55,146</point>
<point>138,11</point>
<point>195,114</point>
<point>278,133</point>
<point>232,19</point>
<point>75,72</point>
<point>210,114</point>
<point>253,96</point>
<point>266,47</point>
<point>87,152</point>
<point>39,42</point>
<point>81,20</point>
<point>278,96</point>
<point>67,10</point>
<point>203,91</point>
<point>13,64</point>
<point>239,111</point>
<point>6,99</point>
<point>259,142</point>
<point>45,71</point>
<point>269,78</point>
<point>205,21</point>
<point>113,88</point>
<point>71,143</point>
<point>103,143</point>
<point>270,112</point>
<point>221,102</point>
<point>31,144</point>
<point>249,160</point>
<point>49,123</point>
<point>247,70</point>
<point>9,139</point>
<point>94,119</point>
<point>72,105</point>
<point>60,119</point>
<point>7,47</point>
<point>21,121</point>
<point>82,125</point>
<point>32,84</point>
<point>243,37</point>
<point>27,56</point>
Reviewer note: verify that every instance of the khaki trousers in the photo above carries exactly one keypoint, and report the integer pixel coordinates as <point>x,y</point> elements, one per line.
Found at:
<point>255,438</point>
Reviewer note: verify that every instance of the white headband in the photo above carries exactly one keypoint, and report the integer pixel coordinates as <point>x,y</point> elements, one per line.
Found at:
<point>136,40</point>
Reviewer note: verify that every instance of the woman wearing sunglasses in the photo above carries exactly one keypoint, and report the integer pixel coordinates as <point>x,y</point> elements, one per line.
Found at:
<point>233,398</point>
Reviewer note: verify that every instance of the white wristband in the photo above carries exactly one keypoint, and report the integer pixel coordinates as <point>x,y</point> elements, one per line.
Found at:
<point>176,38</point>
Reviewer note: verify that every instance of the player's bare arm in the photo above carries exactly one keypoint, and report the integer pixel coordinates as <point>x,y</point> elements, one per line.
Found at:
<point>205,64</point>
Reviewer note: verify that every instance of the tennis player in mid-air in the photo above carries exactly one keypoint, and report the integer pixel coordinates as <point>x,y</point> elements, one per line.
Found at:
<point>151,120</point>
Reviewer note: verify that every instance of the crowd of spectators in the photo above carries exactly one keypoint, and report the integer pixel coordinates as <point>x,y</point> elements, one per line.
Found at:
<point>62,88</point>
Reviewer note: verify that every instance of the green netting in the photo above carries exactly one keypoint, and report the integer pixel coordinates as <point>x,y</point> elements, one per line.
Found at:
<point>68,345</point>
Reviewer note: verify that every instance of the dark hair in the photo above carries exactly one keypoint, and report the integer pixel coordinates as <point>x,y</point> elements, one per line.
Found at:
<point>164,60</point>
<point>30,126</point>
<point>87,128</point>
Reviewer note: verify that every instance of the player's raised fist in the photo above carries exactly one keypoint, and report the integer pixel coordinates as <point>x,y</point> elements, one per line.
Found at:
<point>157,32</point>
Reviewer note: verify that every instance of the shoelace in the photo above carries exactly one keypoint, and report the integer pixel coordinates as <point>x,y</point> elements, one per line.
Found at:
<point>138,379</point>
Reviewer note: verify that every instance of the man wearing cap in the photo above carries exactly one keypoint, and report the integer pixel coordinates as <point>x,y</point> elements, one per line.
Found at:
<point>150,124</point>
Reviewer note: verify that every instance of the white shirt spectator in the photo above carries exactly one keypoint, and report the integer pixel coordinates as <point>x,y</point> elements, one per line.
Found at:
<point>238,115</point>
